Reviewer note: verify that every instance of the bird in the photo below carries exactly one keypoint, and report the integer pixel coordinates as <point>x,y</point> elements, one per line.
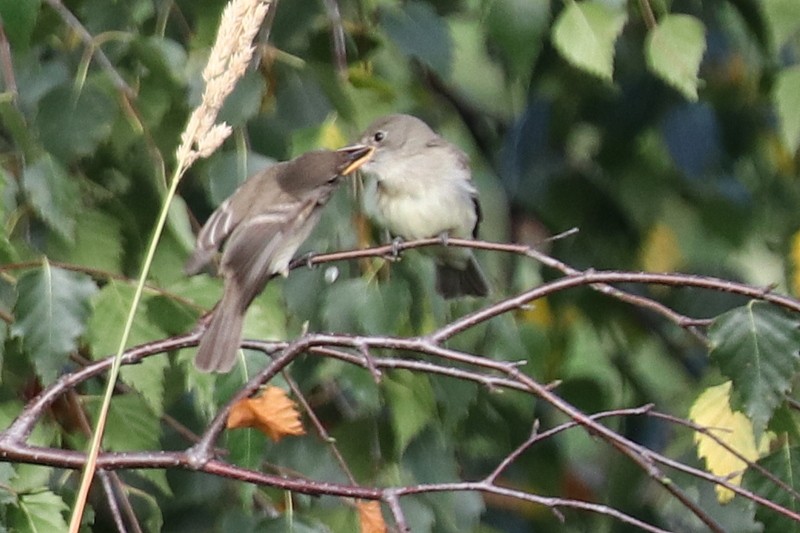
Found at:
<point>259,228</point>
<point>423,189</point>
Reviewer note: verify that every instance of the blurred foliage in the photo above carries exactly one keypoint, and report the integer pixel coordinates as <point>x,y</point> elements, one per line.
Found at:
<point>666,130</point>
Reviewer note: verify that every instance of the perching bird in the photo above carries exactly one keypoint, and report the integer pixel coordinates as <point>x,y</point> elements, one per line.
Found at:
<point>424,189</point>
<point>259,228</point>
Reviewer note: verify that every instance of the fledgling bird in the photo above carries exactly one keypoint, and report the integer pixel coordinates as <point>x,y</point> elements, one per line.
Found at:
<point>259,228</point>
<point>424,189</point>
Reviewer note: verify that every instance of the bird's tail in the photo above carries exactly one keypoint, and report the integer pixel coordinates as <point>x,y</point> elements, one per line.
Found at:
<point>452,282</point>
<point>220,342</point>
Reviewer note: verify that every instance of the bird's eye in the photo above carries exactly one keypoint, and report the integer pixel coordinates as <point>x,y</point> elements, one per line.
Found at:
<point>333,180</point>
<point>379,136</point>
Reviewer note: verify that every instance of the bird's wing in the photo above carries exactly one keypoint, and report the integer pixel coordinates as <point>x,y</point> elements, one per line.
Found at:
<point>216,229</point>
<point>479,215</point>
<point>263,245</point>
<point>260,189</point>
<point>440,142</point>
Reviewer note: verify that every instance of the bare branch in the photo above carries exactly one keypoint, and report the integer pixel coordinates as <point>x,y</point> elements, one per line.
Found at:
<point>377,354</point>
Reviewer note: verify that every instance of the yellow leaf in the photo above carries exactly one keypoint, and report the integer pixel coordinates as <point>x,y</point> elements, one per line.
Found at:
<point>330,135</point>
<point>712,411</point>
<point>370,517</point>
<point>661,251</point>
<point>794,254</point>
<point>272,413</point>
<point>538,313</point>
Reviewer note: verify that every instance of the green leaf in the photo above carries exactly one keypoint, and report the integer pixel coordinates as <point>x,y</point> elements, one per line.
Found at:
<point>30,478</point>
<point>53,195</point>
<point>477,73</point>
<point>105,326</point>
<point>51,313</point>
<point>45,434</point>
<point>245,100</point>
<point>785,465</point>
<point>228,169</point>
<point>16,127</point>
<point>419,32</point>
<point>358,306</point>
<point>147,377</point>
<point>756,346</point>
<point>163,59</point>
<point>131,424</point>
<point>19,19</point>
<point>674,49</point>
<point>71,125</point>
<point>7,473</point>
<point>787,103</point>
<point>38,513</point>
<point>411,401</point>
<point>585,33</point>
<point>783,20</point>
<point>431,459</point>
<point>97,243</point>
<point>518,27</point>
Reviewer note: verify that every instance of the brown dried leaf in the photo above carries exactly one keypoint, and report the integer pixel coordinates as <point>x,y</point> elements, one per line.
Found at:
<point>272,413</point>
<point>370,517</point>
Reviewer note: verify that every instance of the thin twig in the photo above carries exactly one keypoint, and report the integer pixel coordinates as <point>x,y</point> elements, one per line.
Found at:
<point>455,364</point>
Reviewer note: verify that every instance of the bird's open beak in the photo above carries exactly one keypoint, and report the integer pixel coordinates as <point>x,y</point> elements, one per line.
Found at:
<point>356,155</point>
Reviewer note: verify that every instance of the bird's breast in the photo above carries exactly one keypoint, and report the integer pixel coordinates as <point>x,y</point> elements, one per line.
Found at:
<point>430,211</point>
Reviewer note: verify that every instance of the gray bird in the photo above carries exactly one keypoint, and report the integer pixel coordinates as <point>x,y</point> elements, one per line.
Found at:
<point>424,189</point>
<point>259,229</point>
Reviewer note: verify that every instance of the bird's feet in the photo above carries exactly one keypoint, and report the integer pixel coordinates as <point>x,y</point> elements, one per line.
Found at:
<point>397,244</point>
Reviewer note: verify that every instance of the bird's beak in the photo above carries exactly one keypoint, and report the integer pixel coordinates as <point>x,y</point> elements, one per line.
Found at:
<point>355,156</point>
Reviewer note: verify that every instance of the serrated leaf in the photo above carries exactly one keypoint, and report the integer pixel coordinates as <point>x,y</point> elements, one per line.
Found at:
<point>41,512</point>
<point>712,410</point>
<point>272,412</point>
<point>147,378</point>
<point>131,424</point>
<point>7,473</point>
<point>585,34</point>
<point>53,195</point>
<point>46,434</point>
<point>30,478</point>
<point>71,125</point>
<point>674,49</point>
<point>105,326</point>
<point>419,32</point>
<point>756,346</point>
<point>412,405</point>
<point>785,465</point>
<point>97,243</point>
<point>787,101</point>
<point>51,311</point>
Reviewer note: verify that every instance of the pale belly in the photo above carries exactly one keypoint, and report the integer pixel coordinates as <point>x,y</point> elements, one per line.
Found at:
<point>423,216</point>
